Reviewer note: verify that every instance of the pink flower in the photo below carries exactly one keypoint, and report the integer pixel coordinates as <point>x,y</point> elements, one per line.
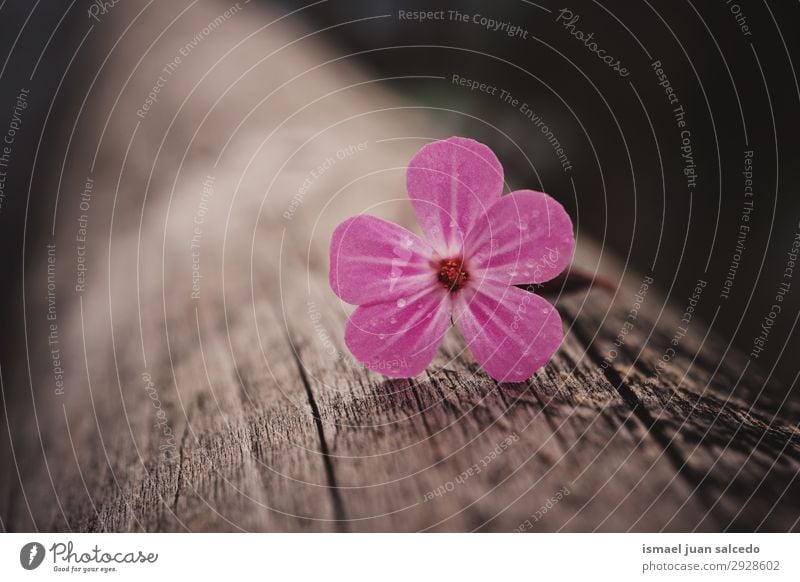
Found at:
<point>478,244</point>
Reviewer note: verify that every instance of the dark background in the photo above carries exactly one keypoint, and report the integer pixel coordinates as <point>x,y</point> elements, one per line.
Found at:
<point>739,92</point>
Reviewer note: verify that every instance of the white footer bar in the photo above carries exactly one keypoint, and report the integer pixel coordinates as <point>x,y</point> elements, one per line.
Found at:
<point>396,557</point>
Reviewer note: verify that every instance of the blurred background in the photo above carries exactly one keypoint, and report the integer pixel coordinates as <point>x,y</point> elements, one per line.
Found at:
<point>620,169</point>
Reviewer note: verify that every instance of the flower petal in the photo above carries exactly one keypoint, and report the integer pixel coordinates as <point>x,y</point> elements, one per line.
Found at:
<point>376,260</point>
<point>399,338</point>
<point>511,332</point>
<point>451,183</point>
<point>526,237</point>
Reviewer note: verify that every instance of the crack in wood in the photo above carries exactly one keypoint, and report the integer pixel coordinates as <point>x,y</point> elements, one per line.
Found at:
<point>669,446</point>
<point>327,459</point>
<point>179,478</point>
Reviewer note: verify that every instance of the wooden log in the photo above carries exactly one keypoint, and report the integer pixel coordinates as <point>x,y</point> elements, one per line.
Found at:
<point>207,384</point>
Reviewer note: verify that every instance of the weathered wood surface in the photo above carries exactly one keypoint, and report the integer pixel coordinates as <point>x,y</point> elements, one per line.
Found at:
<point>275,430</point>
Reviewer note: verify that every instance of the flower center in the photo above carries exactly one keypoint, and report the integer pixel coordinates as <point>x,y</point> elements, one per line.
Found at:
<point>452,274</point>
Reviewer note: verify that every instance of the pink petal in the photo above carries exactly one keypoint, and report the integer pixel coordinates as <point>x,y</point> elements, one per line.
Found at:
<point>376,260</point>
<point>400,338</point>
<point>451,183</point>
<point>511,332</point>
<point>526,237</point>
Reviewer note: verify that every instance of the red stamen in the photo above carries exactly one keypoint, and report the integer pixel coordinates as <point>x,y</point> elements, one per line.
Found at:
<point>452,274</point>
